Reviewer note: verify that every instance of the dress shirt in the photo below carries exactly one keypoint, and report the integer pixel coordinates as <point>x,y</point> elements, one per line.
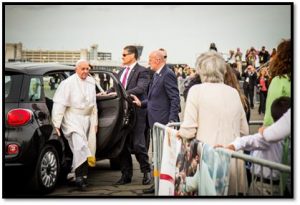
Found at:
<point>123,74</point>
<point>280,129</point>
<point>261,149</point>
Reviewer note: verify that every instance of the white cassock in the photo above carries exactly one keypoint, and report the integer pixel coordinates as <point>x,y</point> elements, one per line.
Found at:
<point>75,112</point>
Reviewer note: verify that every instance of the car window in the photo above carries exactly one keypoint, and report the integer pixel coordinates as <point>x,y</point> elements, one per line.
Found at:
<point>7,85</point>
<point>34,93</point>
<point>104,81</point>
<point>13,84</point>
<point>51,82</point>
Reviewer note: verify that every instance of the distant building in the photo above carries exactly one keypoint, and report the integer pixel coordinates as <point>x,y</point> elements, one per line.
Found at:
<point>14,52</point>
<point>46,56</point>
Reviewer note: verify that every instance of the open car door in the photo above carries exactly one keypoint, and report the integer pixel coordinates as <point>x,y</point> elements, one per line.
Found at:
<point>115,115</point>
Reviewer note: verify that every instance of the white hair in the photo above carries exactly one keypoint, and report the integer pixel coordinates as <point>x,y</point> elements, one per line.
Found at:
<point>79,62</point>
<point>211,67</point>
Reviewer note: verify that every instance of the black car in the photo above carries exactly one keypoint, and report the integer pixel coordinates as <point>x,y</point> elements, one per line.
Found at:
<point>31,146</point>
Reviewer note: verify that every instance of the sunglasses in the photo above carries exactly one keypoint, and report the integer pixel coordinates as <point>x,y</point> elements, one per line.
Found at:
<point>126,54</point>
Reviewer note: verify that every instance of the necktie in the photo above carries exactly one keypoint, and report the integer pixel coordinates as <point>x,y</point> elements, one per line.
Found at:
<point>125,77</point>
<point>155,77</point>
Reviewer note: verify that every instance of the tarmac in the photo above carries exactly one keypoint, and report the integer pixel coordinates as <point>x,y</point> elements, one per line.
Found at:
<point>102,178</point>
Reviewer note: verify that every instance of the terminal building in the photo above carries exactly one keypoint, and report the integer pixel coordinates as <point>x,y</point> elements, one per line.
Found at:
<point>102,60</point>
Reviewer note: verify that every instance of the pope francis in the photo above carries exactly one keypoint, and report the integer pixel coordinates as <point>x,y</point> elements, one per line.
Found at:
<point>75,112</point>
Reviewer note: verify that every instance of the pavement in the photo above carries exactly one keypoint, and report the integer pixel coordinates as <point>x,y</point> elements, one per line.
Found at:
<point>102,178</point>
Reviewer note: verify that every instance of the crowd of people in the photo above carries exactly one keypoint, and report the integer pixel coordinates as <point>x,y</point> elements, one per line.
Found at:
<point>217,110</point>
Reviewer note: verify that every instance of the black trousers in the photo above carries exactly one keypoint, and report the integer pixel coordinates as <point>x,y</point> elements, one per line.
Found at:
<point>262,101</point>
<point>147,134</point>
<point>82,170</point>
<point>136,143</point>
<point>249,93</point>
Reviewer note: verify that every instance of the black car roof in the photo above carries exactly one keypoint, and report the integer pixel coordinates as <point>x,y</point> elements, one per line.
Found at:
<point>36,68</point>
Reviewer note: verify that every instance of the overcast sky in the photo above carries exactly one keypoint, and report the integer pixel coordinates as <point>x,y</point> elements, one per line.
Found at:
<point>184,30</point>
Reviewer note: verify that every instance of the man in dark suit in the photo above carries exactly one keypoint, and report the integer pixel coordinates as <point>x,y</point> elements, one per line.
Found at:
<point>249,83</point>
<point>135,79</point>
<point>151,73</point>
<point>163,101</point>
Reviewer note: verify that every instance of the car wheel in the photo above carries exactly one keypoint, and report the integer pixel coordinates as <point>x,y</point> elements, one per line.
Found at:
<point>115,163</point>
<point>47,170</point>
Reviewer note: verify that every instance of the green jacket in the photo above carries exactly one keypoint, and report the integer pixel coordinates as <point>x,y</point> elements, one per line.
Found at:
<point>280,86</point>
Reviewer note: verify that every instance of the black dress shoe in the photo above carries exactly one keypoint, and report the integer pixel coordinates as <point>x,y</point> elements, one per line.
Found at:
<point>149,190</point>
<point>124,180</point>
<point>81,184</point>
<point>147,178</point>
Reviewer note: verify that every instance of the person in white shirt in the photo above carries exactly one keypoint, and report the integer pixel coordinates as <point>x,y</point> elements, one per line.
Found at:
<point>278,130</point>
<point>75,112</point>
<point>267,144</point>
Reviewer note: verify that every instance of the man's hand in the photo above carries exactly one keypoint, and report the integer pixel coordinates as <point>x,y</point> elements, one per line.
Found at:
<point>177,135</point>
<point>261,130</point>
<point>218,145</point>
<point>106,94</point>
<point>101,94</point>
<point>57,131</point>
<point>136,100</point>
<point>231,147</point>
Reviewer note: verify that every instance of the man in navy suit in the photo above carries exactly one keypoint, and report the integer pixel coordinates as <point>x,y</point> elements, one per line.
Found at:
<point>163,101</point>
<point>135,79</point>
<point>163,97</point>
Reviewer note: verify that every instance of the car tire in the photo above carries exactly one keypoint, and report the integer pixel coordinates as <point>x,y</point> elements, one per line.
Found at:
<point>115,163</point>
<point>47,170</point>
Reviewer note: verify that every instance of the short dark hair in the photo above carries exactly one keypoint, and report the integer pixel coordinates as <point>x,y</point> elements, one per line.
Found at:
<point>279,107</point>
<point>132,49</point>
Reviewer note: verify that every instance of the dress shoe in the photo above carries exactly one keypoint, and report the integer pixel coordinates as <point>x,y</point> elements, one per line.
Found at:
<point>149,190</point>
<point>147,178</point>
<point>81,184</point>
<point>85,181</point>
<point>124,180</point>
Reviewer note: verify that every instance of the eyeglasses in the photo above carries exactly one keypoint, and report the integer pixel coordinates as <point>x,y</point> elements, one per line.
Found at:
<point>126,54</point>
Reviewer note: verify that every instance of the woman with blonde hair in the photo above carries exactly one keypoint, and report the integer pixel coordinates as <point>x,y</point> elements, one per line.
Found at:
<point>262,84</point>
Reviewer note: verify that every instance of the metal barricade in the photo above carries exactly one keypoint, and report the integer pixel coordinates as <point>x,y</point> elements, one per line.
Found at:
<point>158,132</point>
<point>158,138</point>
<point>264,164</point>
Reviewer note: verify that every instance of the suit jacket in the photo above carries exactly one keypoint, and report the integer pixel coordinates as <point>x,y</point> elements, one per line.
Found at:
<point>163,101</point>
<point>137,81</point>
<point>252,80</point>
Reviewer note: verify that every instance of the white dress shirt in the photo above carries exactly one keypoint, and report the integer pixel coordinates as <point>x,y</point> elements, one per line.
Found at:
<point>123,74</point>
<point>261,149</point>
<point>280,129</point>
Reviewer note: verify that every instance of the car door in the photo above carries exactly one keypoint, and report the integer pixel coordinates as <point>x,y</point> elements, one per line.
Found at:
<point>115,114</point>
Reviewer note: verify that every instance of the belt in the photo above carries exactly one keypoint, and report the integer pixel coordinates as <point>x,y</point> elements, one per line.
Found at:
<point>85,111</point>
<point>268,181</point>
